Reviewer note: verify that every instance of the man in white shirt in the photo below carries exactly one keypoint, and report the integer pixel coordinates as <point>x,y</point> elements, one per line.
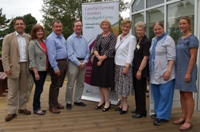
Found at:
<point>15,64</point>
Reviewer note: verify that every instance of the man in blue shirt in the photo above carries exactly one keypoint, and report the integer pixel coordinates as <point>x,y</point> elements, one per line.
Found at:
<point>78,55</point>
<point>57,55</point>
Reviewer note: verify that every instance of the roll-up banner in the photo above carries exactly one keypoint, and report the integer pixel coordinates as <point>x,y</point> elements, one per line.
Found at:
<point>92,15</point>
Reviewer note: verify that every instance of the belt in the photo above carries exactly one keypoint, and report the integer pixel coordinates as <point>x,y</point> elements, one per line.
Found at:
<point>64,59</point>
<point>80,58</point>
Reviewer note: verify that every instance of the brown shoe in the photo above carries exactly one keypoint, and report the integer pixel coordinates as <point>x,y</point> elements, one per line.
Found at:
<point>60,106</point>
<point>25,112</point>
<point>184,128</point>
<point>9,117</point>
<point>54,110</point>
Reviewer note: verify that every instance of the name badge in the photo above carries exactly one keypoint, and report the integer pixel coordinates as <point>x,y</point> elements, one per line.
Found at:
<point>138,46</point>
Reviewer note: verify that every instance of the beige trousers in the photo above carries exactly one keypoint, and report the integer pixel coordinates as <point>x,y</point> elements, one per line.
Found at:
<point>17,90</point>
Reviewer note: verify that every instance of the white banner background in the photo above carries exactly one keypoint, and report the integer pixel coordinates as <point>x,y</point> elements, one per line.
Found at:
<point>92,15</point>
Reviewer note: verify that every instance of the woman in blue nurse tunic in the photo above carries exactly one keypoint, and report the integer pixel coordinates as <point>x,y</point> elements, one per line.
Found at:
<point>162,73</point>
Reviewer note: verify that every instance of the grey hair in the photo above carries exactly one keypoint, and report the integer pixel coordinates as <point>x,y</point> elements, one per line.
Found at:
<point>141,24</point>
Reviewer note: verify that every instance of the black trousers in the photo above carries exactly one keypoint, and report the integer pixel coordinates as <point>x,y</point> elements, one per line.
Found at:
<point>140,97</point>
<point>56,83</point>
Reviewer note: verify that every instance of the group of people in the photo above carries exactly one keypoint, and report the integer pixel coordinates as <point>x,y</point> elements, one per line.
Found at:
<point>122,64</point>
<point>24,55</point>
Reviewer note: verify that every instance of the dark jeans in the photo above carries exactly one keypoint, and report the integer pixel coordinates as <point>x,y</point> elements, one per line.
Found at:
<point>140,97</point>
<point>38,89</point>
<point>56,83</point>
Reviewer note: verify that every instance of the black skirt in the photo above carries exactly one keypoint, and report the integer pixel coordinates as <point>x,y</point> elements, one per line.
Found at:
<point>103,76</point>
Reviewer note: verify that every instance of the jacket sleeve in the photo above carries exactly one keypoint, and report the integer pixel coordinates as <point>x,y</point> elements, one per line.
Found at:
<point>6,52</point>
<point>31,49</point>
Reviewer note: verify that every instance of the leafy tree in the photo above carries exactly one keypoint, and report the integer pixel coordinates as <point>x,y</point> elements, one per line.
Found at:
<point>67,11</point>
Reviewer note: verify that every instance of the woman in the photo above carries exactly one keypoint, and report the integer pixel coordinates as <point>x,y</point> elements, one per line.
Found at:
<point>141,69</point>
<point>103,65</point>
<point>186,72</point>
<point>162,73</point>
<point>38,65</point>
<point>124,50</point>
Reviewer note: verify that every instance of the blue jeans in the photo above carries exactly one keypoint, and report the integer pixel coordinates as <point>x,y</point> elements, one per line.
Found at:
<point>38,89</point>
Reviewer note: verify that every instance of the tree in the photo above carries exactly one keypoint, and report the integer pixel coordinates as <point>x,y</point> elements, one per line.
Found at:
<point>67,11</point>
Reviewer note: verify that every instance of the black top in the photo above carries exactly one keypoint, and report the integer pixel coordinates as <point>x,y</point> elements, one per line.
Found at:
<point>140,51</point>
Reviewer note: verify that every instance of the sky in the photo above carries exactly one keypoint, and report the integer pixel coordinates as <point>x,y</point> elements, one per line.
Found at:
<point>13,8</point>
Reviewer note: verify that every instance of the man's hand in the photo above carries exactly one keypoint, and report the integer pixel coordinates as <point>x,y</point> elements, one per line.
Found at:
<point>57,72</point>
<point>8,72</point>
<point>82,65</point>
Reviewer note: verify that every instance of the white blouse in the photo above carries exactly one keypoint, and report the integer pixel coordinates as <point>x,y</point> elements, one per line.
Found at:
<point>124,50</point>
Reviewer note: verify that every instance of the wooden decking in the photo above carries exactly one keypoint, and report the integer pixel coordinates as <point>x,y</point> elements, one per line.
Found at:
<point>85,119</point>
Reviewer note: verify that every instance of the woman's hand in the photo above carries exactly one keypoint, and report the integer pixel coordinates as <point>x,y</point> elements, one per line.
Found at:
<point>125,71</point>
<point>138,74</point>
<point>187,77</point>
<point>99,63</point>
<point>166,75</point>
<point>37,76</point>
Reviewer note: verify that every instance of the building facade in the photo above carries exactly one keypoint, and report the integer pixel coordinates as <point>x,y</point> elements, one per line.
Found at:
<point>169,12</point>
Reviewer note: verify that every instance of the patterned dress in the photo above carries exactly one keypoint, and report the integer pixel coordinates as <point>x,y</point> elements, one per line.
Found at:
<point>103,76</point>
<point>182,62</point>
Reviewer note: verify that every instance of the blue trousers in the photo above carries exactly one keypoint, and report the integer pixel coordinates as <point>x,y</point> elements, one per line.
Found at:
<point>163,98</point>
<point>38,89</point>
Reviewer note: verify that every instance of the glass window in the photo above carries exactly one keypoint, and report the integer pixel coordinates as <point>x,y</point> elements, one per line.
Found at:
<point>151,3</point>
<point>136,18</point>
<point>138,5</point>
<point>153,16</point>
<point>175,12</point>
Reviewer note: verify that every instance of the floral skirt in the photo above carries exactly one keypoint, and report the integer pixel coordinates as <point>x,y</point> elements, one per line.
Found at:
<point>123,83</point>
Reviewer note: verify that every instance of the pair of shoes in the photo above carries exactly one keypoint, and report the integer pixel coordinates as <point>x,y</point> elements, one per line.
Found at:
<point>137,115</point>
<point>106,109</point>
<point>153,116</point>
<point>123,111</point>
<point>118,109</point>
<point>40,112</point>
<point>134,111</point>
<point>25,112</point>
<point>60,106</point>
<point>9,117</point>
<point>54,110</point>
<point>69,106</point>
<point>99,107</point>
<point>183,128</point>
<point>179,121</point>
<point>158,121</point>
<point>80,104</point>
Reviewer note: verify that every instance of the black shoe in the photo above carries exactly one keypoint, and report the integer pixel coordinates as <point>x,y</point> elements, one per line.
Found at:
<point>159,122</point>
<point>123,111</point>
<point>153,116</point>
<point>99,107</point>
<point>106,109</point>
<point>118,109</point>
<point>134,111</point>
<point>138,115</point>
<point>69,106</point>
<point>80,104</point>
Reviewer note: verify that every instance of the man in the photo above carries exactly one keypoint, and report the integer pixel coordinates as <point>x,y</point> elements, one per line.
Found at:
<point>57,55</point>
<point>78,55</point>
<point>15,64</point>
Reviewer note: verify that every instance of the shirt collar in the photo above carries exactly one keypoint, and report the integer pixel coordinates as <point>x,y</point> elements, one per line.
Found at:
<point>57,36</point>
<point>74,35</point>
<point>17,34</point>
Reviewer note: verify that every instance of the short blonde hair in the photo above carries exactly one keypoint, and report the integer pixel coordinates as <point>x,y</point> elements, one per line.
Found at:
<point>141,24</point>
<point>126,21</point>
<point>108,22</point>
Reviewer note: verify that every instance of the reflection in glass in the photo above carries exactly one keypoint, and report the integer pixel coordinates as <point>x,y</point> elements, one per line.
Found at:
<point>136,18</point>
<point>175,12</point>
<point>151,3</point>
<point>138,5</point>
<point>153,16</point>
